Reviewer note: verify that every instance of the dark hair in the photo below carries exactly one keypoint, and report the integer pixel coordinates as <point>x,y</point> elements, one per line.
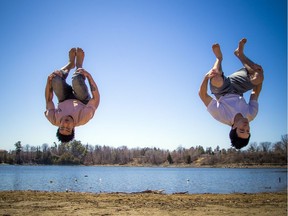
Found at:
<point>236,141</point>
<point>65,138</point>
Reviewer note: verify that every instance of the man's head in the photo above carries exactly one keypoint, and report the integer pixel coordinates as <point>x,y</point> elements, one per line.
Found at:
<point>240,133</point>
<point>65,132</point>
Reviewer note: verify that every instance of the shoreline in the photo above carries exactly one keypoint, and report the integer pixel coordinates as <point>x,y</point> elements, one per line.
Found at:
<point>78,203</point>
<point>146,192</point>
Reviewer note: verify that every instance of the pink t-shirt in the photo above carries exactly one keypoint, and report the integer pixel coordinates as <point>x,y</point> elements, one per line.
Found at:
<point>80,112</point>
<point>225,109</point>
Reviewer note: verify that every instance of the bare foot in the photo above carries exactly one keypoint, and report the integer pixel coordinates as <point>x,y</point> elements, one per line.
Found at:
<point>239,52</point>
<point>217,51</point>
<point>71,62</point>
<point>217,65</point>
<point>79,57</point>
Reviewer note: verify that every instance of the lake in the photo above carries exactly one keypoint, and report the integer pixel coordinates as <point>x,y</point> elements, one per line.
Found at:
<point>136,179</point>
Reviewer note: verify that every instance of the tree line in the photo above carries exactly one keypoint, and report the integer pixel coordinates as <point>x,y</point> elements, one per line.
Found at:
<point>76,153</point>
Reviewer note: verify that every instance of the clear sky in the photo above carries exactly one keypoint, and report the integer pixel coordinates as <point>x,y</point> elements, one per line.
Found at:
<point>148,58</point>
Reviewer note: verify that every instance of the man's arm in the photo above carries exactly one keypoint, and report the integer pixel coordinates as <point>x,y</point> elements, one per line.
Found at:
<point>49,92</point>
<point>205,97</point>
<point>93,87</point>
<point>256,92</point>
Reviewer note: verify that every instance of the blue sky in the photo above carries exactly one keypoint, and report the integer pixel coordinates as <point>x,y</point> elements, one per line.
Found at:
<point>148,58</point>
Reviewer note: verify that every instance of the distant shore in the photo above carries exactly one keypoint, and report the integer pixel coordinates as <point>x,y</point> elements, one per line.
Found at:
<point>240,165</point>
<point>71,203</point>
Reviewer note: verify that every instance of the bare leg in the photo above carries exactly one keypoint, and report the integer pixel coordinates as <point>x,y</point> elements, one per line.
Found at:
<point>78,80</point>
<point>71,63</point>
<point>79,58</point>
<point>217,80</point>
<point>255,71</point>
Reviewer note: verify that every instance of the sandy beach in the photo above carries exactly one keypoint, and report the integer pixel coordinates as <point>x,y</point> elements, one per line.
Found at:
<point>72,203</point>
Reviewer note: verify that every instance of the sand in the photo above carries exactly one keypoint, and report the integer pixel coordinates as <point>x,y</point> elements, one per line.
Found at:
<point>72,203</point>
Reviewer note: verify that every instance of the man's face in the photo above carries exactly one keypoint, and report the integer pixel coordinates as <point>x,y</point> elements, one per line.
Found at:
<point>66,125</point>
<point>243,128</point>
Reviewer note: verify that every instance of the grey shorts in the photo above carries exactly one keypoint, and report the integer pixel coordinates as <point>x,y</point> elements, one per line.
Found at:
<point>236,83</point>
<point>78,90</point>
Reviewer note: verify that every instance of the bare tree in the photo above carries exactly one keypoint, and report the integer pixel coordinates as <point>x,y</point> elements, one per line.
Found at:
<point>253,147</point>
<point>265,146</point>
<point>284,141</point>
<point>18,150</point>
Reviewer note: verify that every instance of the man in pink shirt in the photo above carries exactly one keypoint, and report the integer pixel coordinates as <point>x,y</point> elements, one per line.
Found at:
<point>75,107</point>
<point>229,107</point>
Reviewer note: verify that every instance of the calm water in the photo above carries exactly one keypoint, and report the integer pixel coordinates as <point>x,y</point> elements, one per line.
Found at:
<point>136,179</point>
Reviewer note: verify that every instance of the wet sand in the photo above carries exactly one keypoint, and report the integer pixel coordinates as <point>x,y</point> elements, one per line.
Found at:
<point>71,203</point>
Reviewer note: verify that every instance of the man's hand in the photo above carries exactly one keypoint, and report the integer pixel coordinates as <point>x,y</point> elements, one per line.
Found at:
<point>257,67</point>
<point>93,87</point>
<point>53,74</point>
<point>257,74</point>
<point>83,72</point>
<point>50,77</point>
<point>213,73</point>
